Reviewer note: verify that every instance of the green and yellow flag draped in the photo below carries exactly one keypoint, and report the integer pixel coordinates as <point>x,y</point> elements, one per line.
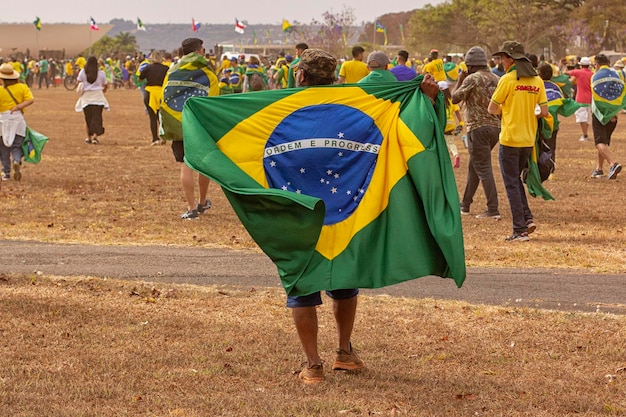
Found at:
<point>192,76</point>
<point>608,93</point>
<point>341,186</point>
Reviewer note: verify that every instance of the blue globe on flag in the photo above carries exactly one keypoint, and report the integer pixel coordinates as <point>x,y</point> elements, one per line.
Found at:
<point>328,157</point>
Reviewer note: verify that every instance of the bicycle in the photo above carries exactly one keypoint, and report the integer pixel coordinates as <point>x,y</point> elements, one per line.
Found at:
<point>70,81</point>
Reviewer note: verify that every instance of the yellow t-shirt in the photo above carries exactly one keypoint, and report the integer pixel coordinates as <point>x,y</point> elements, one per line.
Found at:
<point>518,99</point>
<point>353,71</point>
<point>20,91</point>
<point>80,62</point>
<point>435,68</point>
<point>17,66</point>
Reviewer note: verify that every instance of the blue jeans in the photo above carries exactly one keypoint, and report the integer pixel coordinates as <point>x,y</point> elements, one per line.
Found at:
<point>14,151</point>
<point>512,162</point>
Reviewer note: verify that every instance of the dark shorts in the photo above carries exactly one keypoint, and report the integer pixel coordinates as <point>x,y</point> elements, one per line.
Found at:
<point>315,299</point>
<point>602,133</point>
<point>179,150</point>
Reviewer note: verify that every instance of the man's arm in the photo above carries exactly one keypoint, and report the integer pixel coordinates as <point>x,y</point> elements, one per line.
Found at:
<point>495,108</point>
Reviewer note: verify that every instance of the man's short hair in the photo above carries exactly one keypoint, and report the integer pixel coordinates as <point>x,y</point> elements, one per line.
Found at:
<point>356,50</point>
<point>302,46</point>
<point>602,59</point>
<point>190,45</point>
<point>404,54</point>
<point>545,71</point>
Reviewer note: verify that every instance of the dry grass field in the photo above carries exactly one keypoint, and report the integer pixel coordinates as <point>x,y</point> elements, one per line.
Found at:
<point>84,346</point>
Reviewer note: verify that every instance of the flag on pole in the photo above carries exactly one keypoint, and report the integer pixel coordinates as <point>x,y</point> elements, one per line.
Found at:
<point>385,33</point>
<point>194,26</point>
<point>37,23</point>
<point>379,27</point>
<point>254,40</point>
<point>140,25</point>
<point>287,27</point>
<point>92,24</point>
<point>341,186</point>
<point>402,32</point>
<point>267,32</point>
<point>239,26</point>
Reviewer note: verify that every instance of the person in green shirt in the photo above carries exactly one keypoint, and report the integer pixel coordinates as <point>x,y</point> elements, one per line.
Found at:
<point>377,62</point>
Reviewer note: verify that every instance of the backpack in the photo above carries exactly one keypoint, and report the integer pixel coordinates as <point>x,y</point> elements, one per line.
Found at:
<point>256,82</point>
<point>545,163</point>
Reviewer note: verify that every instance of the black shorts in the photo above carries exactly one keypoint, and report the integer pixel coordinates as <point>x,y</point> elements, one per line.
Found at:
<point>179,150</point>
<point>602,133</point>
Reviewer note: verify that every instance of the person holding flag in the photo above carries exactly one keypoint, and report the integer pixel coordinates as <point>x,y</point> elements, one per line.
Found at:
<point>608,98</point>
<point>331,185</point>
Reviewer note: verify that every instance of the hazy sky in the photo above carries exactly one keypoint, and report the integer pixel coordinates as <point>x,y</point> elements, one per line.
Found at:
<point>204,11</point>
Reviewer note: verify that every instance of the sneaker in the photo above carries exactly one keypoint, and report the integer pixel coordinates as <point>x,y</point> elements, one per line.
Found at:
<point>465,211</point>
<point>615,169</point>
<point>530,224</point>
<point>583,138</point>
<point>6,177</point>
<point>312,374</point>
<point>551,176</point>
<point>158,142</point>
<point>95,141</point>
<point>17,175</point>
<point>488,215</point>
<point>457,161</point>
<point>88,140</point>
<point>347,361</point>
<point>189,215</point>
<point>203,207</point>
<point>518,237</point>
<point>597,173</point>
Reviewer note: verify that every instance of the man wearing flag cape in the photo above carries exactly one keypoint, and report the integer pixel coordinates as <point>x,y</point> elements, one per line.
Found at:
<point>608,98</point>
<point>342,186</point>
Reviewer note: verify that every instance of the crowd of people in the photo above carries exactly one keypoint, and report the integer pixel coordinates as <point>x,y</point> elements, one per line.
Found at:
<point>498,99</point>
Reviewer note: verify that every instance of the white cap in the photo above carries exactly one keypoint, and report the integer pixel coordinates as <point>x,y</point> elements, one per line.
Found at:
<point>585,61</point>
<point>442,85</point>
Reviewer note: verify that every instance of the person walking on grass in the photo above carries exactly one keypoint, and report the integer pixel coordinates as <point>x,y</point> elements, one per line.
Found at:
<point>154,74</point>
<point>475,88</point>
<point>582,78</point>
<point>14,97</point>
<point>92,102</point>
<point>517,95</point>
<point>191,76</point>
<point>605,81</point>
<point>317,67</point>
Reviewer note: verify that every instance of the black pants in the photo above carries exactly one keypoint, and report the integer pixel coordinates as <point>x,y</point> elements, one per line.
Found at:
<point>93,118</point>
<point>154,118</point>
<point>480,143</point>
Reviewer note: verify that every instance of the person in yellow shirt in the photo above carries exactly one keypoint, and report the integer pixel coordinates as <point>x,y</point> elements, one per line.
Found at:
<point>518,94</point>
<point>352,71</point>
<point>435,66</point>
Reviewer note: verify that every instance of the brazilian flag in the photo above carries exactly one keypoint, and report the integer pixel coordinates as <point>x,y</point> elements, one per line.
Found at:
<point>192,76</point>
<point>608,93</point>
<point>564,83</point>
<point>559,104</point>
<point>341,186</point>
